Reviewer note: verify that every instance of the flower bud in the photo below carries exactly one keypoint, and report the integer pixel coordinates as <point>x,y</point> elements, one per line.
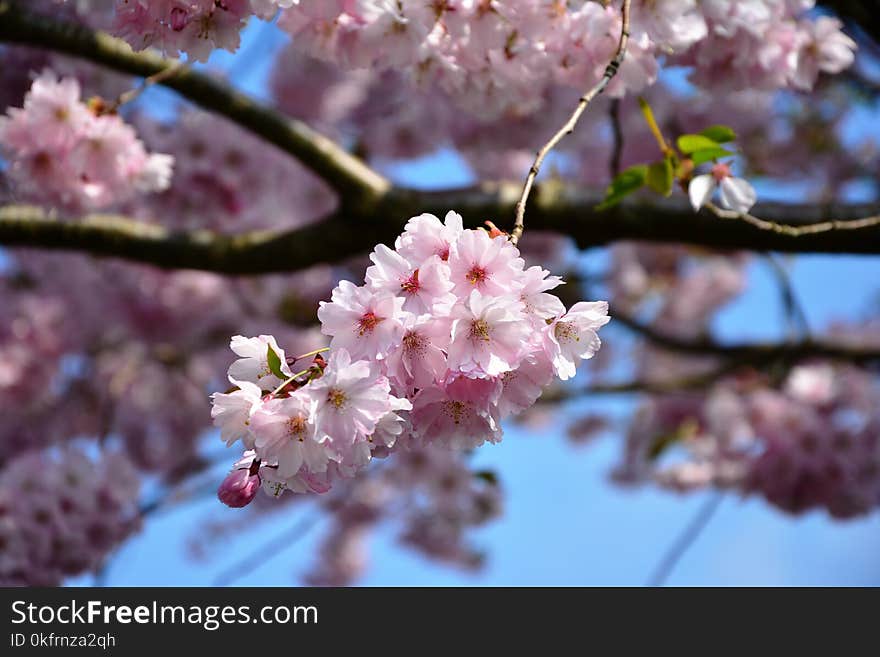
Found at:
<point>239,488</point>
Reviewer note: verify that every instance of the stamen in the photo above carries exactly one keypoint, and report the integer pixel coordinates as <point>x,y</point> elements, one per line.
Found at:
<point>480,330</point>
<point>476,275</point>
<point>368,322</point>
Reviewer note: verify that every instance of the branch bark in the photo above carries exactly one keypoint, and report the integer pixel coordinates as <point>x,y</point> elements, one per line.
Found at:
<point>349,232</point>
<point>257,252</point>
<point>355,182</point>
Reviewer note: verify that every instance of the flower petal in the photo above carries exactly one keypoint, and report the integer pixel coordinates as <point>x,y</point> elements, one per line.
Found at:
<point>700,190</point>
<point>737,194</point>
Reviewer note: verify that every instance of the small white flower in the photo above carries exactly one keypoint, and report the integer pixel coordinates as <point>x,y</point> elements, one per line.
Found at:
<point>736,194</point>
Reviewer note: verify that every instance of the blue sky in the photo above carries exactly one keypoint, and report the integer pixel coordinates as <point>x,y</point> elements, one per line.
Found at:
<point>564,523</point>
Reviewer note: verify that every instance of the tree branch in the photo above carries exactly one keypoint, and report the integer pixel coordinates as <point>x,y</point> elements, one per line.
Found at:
<point>350,232</point>
<point>794,231</point>
<point>256,252</point>
<point>755,354</point>
<point>350,177</point>
<point>569,126</point>
<point>861,13</point>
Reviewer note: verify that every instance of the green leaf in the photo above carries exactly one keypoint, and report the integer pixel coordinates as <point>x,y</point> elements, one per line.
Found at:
<point>488,476</point>
<point>720,134</point>
<point>664,441</point>
<point>708,154</point>
<point>661,443</point>
<point>660,176</point>
<point>688,144</point>
<point>274,363</point>
<point>626,182</point>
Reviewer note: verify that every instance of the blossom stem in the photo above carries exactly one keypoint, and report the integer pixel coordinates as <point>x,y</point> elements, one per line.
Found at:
<point>312,353</point>
<point>290,380</point>
<point>149,81</point>
<point>653,127</point>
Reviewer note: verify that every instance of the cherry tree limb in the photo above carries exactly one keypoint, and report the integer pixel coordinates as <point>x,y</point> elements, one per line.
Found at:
<point>350,177</point>
<point>346,233</point>
<point>755,354</point>
<point>253,252</point>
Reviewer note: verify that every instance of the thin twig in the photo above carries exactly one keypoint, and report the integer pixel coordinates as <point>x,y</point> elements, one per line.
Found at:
<point>266,550</point>
<point>617,134</point>
<point>686,539</point>
<point>569,126</point>
<point>794,231</point>
<point>149,81</point>
<point>794,310</point>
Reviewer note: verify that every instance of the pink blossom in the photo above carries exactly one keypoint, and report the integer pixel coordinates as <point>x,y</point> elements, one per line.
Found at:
<point>538,305</point>
<point>350,398</point>
<point>285,434</point>
<point>425,236</point>
<point>393,424</point>
<point>253,366</point>
<point>487,335</point>
<point>365,322</point>
<point>420,360</point>
<point>422,287</point>
<point>478,262</point>
<point>814,384</point>
<point>62,153</point>
<point>826,49</point>
<point>443,419</point>
<point>232,412</point>
<point>573,336</point>
<point>522,387</point>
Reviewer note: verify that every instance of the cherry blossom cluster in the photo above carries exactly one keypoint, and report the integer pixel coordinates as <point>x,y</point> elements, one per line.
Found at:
<point>438,499</point>
<point>450,334</point>
<point>493,55</point>
<point>766,44</point>
<point>64,152</point>
<point>194,27</point>
<point>228,175</point>
<point>62,512</point>
<point>807,442</point>
<point>814,443</point>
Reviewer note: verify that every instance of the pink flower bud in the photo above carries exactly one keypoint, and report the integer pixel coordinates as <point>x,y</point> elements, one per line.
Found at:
<point>721,171</point>
<point>179,19</point>
<point>239,488</point>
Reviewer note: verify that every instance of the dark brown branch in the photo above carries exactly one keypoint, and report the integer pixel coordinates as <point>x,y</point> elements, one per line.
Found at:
<point>749,353</point>
<point>354,180</point>
<point>858,12</point>
<point>257,252</point>
<point>348,233</point>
